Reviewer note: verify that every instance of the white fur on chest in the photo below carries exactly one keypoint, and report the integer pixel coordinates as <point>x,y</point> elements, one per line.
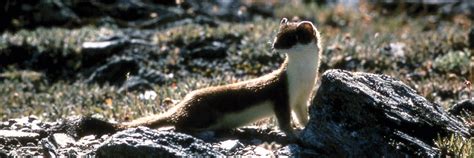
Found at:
<point>303,64</point>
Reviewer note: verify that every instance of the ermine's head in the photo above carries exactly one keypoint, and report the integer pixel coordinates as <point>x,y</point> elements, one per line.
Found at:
<point>296,37</point>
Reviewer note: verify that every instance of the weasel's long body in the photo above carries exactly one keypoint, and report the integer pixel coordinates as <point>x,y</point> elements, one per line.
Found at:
<point>278,93</point>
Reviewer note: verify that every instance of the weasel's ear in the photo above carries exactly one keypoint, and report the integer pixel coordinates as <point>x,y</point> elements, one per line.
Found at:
<point>306,26</point>
<point>283,21</point>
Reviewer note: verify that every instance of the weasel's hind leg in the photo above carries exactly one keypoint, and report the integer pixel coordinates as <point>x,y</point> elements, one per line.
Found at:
<point>283,115</point>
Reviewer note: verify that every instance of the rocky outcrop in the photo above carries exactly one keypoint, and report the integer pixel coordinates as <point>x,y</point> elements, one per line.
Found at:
<point>134,142</point>
<point>145,142</point>
<point>369,115</point>
<point>29,136</point>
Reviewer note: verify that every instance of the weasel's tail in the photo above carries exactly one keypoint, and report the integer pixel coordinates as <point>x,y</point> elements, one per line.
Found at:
<point>153,121</point>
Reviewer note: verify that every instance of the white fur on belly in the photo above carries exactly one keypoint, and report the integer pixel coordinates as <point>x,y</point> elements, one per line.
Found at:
<point>240,118</point>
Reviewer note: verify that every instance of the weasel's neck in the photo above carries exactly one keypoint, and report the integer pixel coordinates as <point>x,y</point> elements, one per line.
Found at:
<point>302,69</point>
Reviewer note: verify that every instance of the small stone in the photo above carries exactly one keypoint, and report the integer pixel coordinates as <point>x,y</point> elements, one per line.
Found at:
<point>36,127</point>
<point>289,150</point>
<point>16,126</point>
<point>99,44</point>
<point>32,118</point>
<point>230,145</point>
<point>72,153</point>
<point>260,151</point>
<point>5,124</point>
<point>396,50</point>
<point>63,140</point>
<point>17,134</point>
<point>30,144</point>
<point>47,125</point>
<point>148,95</point>
<point>10,122</point>
<point>25,129</point>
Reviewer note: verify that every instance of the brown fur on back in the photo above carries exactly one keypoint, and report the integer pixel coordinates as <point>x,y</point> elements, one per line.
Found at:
<point>202,108</point>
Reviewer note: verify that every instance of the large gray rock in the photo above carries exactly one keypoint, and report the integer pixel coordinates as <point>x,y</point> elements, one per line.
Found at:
<point>369,115</point>
<point>145,142</point>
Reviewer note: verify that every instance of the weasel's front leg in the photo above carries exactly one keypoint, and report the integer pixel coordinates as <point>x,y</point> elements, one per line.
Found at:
<point>301,112</point>
<point>283,115</point>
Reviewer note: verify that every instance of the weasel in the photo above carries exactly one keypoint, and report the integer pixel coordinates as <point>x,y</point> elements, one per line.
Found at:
<point>279,93</point>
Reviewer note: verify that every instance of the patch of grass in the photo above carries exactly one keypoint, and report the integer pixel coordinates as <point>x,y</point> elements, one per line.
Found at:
<point>455,146</point>
<point>454,61</point>
<point>47,39</point>
<point>60,100</point>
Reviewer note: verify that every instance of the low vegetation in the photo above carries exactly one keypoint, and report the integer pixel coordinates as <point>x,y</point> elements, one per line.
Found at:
<point>430,53</point>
